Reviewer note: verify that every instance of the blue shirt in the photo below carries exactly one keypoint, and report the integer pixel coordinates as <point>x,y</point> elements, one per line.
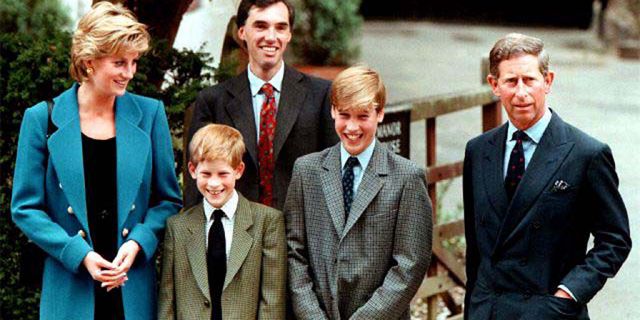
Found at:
<point>535,133</point>
<point>358,171</point>
<point>255,84</point>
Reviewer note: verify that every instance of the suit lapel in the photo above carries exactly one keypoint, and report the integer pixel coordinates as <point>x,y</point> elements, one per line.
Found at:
<point>369,186</point>
<point>240,110</point>
<point>546,160</point>
<point>492,169</point>
<point>133,149</point>
<point>197,248</point>
<point>65,151</point>
<point>292,97</point>
<point>242,239</point>
<point>332,187</point>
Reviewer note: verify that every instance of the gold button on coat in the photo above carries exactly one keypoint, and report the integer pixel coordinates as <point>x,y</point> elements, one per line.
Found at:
<point>133,207</point>
<point>70,210</point>
<point>125,232</point>
<point>81,232</point>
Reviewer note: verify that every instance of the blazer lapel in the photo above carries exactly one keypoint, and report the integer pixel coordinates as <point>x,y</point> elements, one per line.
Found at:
<point>197,248</point>
<point>332,187</point>
<point>292,98</point>
<point>240,110</point>
<point>546,160</point>
<point>133,149</point>
<point>65,152</point>
<point>242,239</point>
<point>492,166</point>
<point>369,186</point>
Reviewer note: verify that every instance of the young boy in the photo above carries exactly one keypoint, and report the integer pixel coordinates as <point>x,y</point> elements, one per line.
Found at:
<point>358,216</point>
<point>224,258</point>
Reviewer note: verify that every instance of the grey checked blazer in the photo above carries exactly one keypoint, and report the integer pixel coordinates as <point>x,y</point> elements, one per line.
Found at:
<point>255,284</point>
<point>370,266</point>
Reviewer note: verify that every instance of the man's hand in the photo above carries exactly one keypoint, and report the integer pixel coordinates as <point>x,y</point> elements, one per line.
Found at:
<point>562,294</point>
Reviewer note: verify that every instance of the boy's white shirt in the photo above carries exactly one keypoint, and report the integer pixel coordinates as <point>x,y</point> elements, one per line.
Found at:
<point>228,220</point>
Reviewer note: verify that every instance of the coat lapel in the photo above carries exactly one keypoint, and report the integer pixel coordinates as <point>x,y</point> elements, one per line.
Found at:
<point>291,102</point>
<point>242,239</point>
<point>133,149</point>
<point>332,187</point>
<point>549,155</point>
<point>240,110</point>
<point>65,151</point>
<point>197,248</point>
<point>492,169</point>
<point>369,186</point>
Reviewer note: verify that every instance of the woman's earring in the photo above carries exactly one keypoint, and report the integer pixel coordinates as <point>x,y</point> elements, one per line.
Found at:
<point>89,71</point>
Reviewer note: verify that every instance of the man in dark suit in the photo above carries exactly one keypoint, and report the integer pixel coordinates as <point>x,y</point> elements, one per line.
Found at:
<point>282,113</point>
<point>535,189</point>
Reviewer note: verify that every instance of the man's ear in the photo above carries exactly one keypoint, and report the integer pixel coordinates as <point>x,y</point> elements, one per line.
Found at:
<point>548,81</point>
<point>239,170</point>
<point>493,82</point>
<point>380,115</point>
<point>192,170</point>
<point>241,35</point>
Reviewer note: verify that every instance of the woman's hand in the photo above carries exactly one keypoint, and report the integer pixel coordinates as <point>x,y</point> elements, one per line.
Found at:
<point>122,263</point>
<point>101,269</point>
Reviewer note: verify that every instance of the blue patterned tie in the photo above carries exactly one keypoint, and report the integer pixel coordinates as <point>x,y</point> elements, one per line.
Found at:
<point>347,184</point>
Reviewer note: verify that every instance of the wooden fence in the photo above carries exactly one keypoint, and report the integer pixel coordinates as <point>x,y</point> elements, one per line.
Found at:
<point>446,270</point>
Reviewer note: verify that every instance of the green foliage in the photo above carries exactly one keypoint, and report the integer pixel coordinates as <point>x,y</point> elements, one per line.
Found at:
<point>34,58</point>
<point>39,18</point>
<point>326,31</point>
<point>34,62</point>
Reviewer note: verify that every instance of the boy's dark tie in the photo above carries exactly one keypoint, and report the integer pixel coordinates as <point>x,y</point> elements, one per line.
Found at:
<point>217,264</point>
<point>515,171</point>
<point>266,162</point>
<point>347,184</point>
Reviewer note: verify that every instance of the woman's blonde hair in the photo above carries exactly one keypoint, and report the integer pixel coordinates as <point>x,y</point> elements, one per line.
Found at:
<point>358,88</point>
<point>107,29</point>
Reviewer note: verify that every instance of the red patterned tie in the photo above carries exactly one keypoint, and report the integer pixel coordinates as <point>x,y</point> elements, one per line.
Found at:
<point>265,144</point>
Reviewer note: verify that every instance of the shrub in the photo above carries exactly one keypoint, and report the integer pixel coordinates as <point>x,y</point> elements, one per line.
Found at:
<point>325,31</point>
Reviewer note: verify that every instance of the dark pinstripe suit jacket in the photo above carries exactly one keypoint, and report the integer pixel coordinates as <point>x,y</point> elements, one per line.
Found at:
<point>369,266</point>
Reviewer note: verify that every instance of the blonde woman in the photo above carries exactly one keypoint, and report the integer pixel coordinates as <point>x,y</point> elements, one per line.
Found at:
<point>96,193</point>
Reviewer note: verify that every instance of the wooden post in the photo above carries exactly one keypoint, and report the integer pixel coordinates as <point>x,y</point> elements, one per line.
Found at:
<point>491,112</point>
<point>432,301</point>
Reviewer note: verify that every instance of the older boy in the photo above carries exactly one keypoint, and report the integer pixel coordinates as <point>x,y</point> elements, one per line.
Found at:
<point>226,256</point>
<point>358,216</point>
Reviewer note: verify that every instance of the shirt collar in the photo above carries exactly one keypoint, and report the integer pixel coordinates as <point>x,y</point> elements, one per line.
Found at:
<point>256,83</point>
<point>228,208</point>
<point>364,157</point>
<point>534,132</point>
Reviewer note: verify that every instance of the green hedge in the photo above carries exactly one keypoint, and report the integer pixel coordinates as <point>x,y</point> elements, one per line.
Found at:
<point>34,62</point>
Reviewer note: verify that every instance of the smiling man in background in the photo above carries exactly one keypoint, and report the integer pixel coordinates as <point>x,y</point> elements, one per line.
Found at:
<point>282,113</point>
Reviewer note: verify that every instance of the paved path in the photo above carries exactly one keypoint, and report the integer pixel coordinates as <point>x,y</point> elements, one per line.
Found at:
<point>593,90</point>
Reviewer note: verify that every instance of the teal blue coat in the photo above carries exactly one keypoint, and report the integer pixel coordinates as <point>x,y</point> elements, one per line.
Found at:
<point>48,201</point>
